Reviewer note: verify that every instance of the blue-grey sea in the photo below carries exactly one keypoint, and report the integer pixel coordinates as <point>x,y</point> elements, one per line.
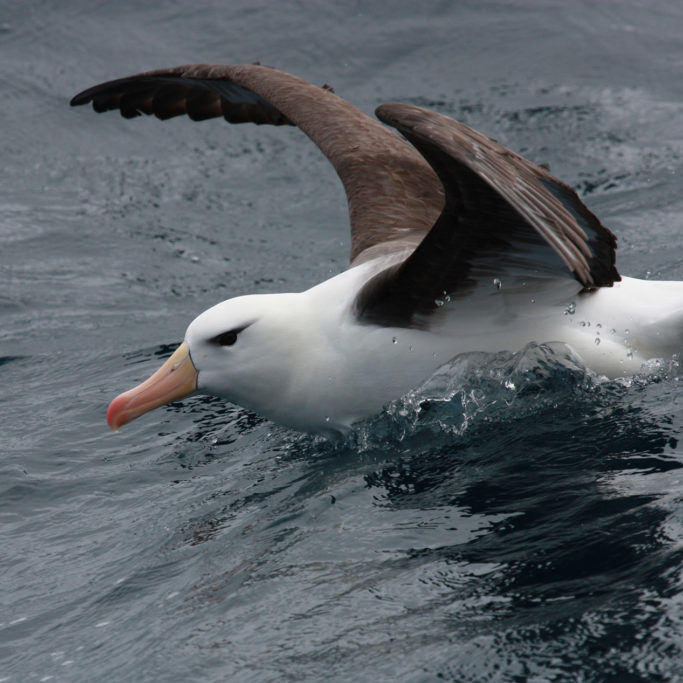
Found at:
<point>516,519</point>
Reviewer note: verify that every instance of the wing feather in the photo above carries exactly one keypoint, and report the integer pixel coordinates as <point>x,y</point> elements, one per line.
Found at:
<point>392,192</point>
<point>502,213</point>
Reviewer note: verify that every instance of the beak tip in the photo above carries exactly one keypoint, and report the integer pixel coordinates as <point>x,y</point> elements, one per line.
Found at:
<point>115,412</point>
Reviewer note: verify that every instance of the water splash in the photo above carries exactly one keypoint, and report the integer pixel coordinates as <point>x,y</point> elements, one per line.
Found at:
<point>479,388</point>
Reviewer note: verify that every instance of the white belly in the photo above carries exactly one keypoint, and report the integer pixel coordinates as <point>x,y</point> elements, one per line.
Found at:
<point>614,330</point>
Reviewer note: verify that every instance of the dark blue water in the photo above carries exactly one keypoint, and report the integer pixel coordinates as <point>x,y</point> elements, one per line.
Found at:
<point>516,519</point>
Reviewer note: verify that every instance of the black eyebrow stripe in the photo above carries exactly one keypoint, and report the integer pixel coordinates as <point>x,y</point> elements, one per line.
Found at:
<point>236,330</point>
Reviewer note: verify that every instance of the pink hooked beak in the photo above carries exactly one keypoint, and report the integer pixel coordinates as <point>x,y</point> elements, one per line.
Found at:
<point>176,378</point>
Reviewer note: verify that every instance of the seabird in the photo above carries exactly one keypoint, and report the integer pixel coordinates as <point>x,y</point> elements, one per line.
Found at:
<point>457,244</point>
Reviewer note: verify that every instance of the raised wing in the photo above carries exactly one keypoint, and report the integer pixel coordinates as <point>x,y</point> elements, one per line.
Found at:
<point>394,197</point>
<point>502,214</point>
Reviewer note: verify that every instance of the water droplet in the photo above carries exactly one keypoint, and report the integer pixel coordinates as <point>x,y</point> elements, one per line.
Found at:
<point>327,419</point>
<point>439,302</point>
<point>597,341</point>
<point>394,340</point>
<point>533,301</point>
<point>497,283</point>
<point>599,325</point>
<point>629,355</point>
<point>411,348</point>
<point>571,308</point>
<point>626,331</point>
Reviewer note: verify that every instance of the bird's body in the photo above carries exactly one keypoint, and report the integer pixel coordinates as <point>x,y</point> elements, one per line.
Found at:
<point>458,245</point>
<point>338,372</point>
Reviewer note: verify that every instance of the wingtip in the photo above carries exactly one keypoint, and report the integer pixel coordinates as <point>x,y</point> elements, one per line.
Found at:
<point>82,97</point>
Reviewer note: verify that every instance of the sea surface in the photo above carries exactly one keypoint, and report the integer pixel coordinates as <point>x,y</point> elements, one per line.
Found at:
<point>517,518</point>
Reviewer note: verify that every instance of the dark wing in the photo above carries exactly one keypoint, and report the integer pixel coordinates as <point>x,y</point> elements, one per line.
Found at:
<point>502,214</point>
<point>394,196</point>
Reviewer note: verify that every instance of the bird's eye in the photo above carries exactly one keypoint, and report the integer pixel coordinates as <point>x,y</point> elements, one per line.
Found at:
<point>226,338</point>
<point>230,337</point>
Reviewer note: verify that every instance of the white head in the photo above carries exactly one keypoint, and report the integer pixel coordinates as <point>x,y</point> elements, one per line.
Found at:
<point>244,349</point>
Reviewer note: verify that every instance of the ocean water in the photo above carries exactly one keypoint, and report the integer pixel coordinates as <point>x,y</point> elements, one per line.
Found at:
<point>516,518</point>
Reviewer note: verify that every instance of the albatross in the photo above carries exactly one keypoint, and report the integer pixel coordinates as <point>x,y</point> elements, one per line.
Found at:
<point>457,245</point>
